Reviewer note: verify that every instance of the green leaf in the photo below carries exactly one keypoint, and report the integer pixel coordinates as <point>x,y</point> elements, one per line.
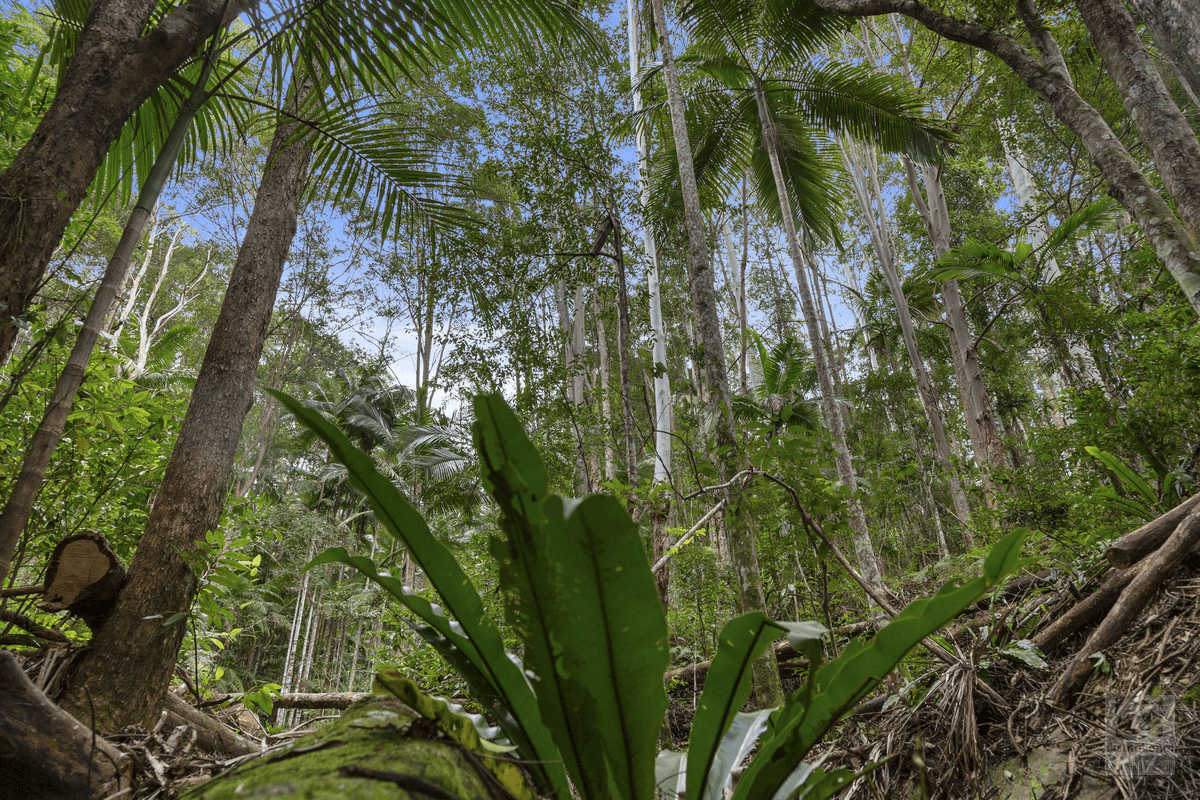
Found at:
<point>587,606</point>
<point>725,691</point>
<point>1127,476</point>
<point>801,722</point>
<point>474,634</point>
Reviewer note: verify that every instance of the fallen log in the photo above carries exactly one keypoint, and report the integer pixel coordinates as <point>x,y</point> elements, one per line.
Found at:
<point>47,753</point>
<point>379,748</point>
<point>37,629</point>
<point>83,577</point>
<point>1137,594</point>
<point>305,700</point>
<point>210,735</point>
<point>1086,610</point>
<point>1136,545</point>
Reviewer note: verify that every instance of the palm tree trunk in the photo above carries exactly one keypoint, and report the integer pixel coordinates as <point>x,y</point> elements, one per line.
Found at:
<point>868,566</point>
<point>45,439</point>
<point>708,333</point>
<point>124,675</point>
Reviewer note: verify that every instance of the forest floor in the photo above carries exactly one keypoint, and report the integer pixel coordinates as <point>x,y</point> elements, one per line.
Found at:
<point>1132,732</point>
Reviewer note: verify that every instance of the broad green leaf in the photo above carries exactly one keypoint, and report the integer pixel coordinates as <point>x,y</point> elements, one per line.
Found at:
<point>725,691</point>
<point>474,633</point>
<point>800,723</point>
<point>1128,477</point>
<point>587,605</point>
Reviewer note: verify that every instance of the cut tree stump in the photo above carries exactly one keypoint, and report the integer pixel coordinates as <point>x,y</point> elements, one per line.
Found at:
<point>83,577</point>
<point>46,753</point>
<point>1154,570</point>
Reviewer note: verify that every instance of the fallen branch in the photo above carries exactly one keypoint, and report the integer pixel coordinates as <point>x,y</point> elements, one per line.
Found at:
<point>21,591</point>
<point>306,700</point>
<point>1137,594</point>
<point>41,631</point>
<point>46,751</point>
<point>662,562</point>
<point>1086,610</point>
<point>1136,545</point>
<point>211,735</point>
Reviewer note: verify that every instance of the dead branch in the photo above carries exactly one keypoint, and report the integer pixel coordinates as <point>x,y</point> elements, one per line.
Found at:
<point>1087,610</point>
<point>1137,594</point>
<point>46,751</point>
<point>41,631</point>
<point>1135,545</point>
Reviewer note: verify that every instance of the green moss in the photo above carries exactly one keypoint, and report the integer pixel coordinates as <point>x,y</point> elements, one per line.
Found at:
<point>378,734</point>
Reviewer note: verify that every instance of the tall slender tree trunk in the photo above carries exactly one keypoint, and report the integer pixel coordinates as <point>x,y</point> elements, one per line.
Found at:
<point>610,451</point>
<point>977,408</point>
<point>1172,236</point>
<point>45,439</point>
<point>631,471</point>
<point>868,566</point>
<point>1175,26</point>
<point>864,171</point>
<point>659,512</point>
<point>712,365</point>
<point>116,66</point>
<point>122,678</point>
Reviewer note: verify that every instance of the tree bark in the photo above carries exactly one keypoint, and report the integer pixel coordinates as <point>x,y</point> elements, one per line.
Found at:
<point>1175,26</point>
<point>125,672</point>
<point>712,366</point>
<point>1171,239</point>
<point>862,165</point>
<point>1161,125</point>
<point>115,68</point>
<point>1136,545</point>
<point>47,752</point>
<point>868,567</point>
<point>1134,598</point>
<point>50,430</point>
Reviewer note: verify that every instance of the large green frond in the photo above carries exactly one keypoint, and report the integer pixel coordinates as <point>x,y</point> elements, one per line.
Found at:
<point>867,105</point>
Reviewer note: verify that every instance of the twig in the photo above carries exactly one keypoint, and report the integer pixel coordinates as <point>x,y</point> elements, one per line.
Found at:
<point>41,631</point>
<point>662,562</point>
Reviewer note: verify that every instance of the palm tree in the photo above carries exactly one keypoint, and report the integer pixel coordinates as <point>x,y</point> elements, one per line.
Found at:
<point>195,485</point>
<point>763,102</point>
<point>767,684</point>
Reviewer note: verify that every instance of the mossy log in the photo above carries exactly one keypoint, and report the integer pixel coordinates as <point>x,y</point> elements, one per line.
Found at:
<point>379,749</point>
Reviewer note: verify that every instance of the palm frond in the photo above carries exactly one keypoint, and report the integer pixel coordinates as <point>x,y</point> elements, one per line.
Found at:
<point>1097,216</point>
<point>859,102</point>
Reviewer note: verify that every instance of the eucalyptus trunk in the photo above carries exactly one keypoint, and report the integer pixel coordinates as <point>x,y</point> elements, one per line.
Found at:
<point>37,458</point>
<point>1175,26</point>
<point>864,171</point>
<point>123,676</point>
<point>1158,120</point>
<point>712,366</point>
<point>986,445</point>
<point>658,512</point>
<point>868,566</point>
